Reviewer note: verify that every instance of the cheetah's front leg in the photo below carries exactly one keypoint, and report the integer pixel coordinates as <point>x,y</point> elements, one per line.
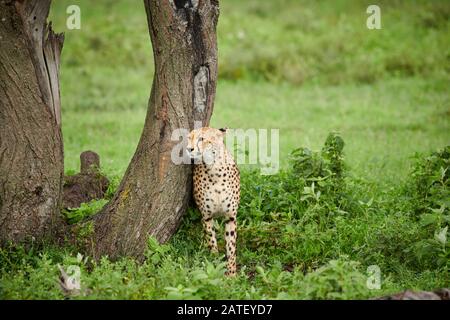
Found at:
<point>230,238</point>
<point>208,224</point>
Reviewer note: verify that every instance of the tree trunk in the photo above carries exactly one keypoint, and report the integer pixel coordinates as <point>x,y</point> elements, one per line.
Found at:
<point>31,152</point>
<point>155,192</point>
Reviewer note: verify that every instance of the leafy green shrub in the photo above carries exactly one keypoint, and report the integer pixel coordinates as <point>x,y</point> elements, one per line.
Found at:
<point>293,215</point>
<point>75,215</point>
<point>114,182</point>
<point>315,181</point>
<point>430,182</point>
<point>35,276</point>
<point>321,173</point>
<point>429,190</point>
<point>338,279</point>
<point>308,232</point>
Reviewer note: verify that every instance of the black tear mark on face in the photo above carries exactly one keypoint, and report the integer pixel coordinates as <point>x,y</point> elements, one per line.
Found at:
<point>199,140</point>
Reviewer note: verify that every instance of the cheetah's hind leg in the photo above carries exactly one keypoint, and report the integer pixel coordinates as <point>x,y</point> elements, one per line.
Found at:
<point>208,225</point>
<point>230,238</point>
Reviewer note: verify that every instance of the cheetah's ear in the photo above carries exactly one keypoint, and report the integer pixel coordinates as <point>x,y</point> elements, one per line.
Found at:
<point>223,132</point>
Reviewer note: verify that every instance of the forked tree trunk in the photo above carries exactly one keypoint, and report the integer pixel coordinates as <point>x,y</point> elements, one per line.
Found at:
<point>31,152</point>
<point>154,192</point>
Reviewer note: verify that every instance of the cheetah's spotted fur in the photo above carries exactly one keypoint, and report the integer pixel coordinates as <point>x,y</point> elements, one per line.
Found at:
<point>216,187</point>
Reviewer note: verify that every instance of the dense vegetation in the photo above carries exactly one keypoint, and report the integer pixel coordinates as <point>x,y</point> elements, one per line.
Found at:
<point>309,232</point>
<point>377,193</point>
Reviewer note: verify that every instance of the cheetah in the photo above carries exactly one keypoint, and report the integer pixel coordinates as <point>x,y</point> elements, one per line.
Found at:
<point>216,187</point>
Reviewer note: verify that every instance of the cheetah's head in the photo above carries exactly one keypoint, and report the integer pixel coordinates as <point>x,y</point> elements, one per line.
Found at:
<point>205,143</point>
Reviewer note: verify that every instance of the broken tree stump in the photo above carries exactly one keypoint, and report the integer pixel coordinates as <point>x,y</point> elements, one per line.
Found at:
<point>87,185</point>
<point>90,161</point>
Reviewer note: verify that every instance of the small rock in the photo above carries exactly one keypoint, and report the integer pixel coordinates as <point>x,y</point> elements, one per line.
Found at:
<point>440,294</point>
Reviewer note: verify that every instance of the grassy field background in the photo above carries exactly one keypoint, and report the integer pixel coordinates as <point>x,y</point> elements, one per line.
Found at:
<point>304,67</point>
<point>307,68</point>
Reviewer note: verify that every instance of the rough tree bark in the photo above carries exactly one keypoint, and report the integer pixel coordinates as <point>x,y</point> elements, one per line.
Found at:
<point>154,192</point>
<point>31,152</point>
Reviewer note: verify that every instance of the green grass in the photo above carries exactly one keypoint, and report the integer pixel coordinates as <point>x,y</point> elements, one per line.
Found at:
<point>385,86</point>
<point>310,232</point>
<point>307,68</point>
<point>384,124</point>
